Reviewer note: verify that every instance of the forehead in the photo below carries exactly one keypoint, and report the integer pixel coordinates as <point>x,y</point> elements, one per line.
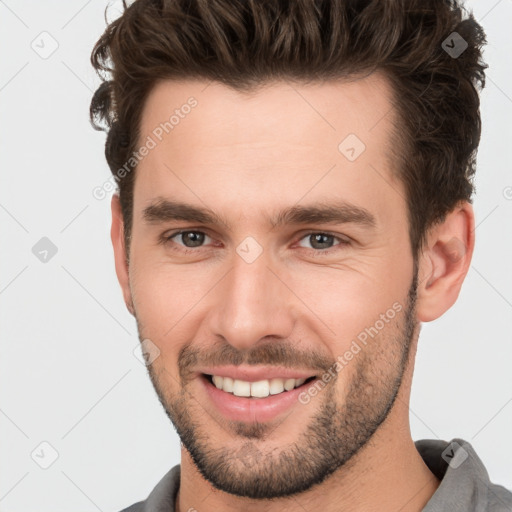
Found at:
<point>277,144</point>
<point>355,105</point>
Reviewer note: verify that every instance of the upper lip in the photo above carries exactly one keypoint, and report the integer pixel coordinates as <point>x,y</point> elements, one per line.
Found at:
<point>253,374</point>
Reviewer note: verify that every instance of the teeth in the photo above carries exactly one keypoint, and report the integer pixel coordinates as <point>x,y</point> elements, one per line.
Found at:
<point>259,389</point>
<point>276,386</point>
<point>289,384</point>
<point>241,388</point>
<point>227,384</point>
<point>218,381</point>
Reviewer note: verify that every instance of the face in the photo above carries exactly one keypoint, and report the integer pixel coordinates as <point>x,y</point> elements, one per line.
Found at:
<point>269,240</point>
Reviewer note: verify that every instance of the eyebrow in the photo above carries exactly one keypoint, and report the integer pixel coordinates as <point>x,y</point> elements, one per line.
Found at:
<point>340,212</point>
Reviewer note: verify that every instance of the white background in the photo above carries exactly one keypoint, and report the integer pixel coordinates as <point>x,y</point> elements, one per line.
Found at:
<point>68,373</point>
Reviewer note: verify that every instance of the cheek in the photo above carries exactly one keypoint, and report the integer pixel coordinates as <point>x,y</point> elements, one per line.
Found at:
<point>166,296</point>
<point>352,302</point>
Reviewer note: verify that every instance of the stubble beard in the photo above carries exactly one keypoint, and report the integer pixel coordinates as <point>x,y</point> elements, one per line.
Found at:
<point>335,433</point>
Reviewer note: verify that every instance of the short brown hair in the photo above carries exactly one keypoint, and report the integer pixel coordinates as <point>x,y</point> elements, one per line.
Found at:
<point>246,43</point>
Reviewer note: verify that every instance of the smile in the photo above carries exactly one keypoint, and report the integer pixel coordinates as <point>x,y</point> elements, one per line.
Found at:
<point>238,400</point>
<point>259,389</point>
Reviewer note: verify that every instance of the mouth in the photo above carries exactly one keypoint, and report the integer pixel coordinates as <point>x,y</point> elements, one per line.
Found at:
<point>258,390</point>
<point>239,404</point>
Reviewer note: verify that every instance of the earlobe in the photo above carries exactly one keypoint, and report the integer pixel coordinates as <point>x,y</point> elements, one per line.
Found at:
<point>444,263</point>
<point>120,256</point>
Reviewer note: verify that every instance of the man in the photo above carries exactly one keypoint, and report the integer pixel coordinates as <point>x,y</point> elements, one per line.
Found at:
<point>294,201</point>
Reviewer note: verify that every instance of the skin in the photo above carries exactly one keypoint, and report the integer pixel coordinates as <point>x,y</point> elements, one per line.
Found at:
<point>246,157</point>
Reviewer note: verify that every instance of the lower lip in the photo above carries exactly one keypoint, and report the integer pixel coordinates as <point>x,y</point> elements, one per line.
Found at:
<point>239,408</point>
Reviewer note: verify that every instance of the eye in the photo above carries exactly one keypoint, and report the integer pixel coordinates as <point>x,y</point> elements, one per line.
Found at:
<point>322,242</point>
<point>188,239</point>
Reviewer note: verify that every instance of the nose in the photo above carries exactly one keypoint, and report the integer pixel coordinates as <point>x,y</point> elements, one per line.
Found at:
<point>252,302</point>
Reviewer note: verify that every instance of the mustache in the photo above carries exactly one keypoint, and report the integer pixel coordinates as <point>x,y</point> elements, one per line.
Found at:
<point>269,354</point>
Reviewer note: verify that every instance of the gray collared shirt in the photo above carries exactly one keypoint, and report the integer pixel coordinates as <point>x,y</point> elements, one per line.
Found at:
<point>464,487</point>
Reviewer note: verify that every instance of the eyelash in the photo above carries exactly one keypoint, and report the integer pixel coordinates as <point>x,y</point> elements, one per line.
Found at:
<point>165,239</point>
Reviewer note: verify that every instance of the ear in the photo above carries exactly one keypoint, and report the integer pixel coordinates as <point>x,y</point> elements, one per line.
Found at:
<point>120,256</point>
<point>444,262</point>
